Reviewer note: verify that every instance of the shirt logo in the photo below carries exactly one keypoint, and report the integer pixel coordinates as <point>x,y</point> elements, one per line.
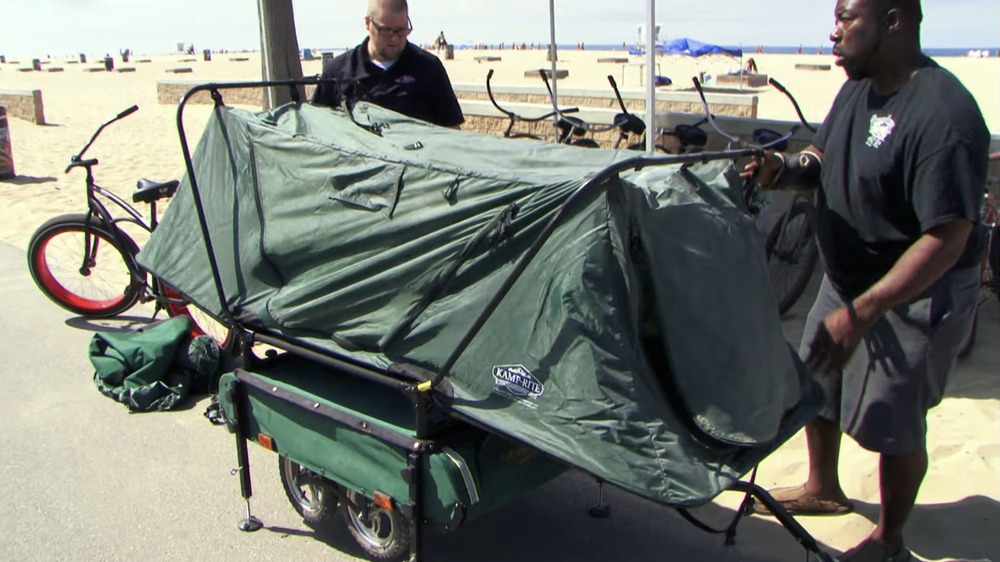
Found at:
<point>879,130</point>
<point>405,79</point>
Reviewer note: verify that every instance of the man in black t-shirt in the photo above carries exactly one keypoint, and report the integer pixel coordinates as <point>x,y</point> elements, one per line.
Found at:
<point>901,161</point>
<point>391,71</point>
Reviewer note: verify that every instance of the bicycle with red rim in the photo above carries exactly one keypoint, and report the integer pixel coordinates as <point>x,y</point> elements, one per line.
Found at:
<point>86,263</point>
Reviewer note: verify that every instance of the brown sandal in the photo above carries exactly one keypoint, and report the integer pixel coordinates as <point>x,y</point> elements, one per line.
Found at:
<point>796,502</point>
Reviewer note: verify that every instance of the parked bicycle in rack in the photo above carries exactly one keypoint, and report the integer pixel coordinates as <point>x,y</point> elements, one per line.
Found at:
<point>514,118</point>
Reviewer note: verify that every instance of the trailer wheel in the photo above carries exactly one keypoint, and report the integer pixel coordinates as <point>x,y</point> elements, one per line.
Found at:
<point>314,498</point>
<point>383,534</point>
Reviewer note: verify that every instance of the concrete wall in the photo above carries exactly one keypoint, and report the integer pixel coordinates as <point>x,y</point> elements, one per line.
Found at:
<point>24,104</point>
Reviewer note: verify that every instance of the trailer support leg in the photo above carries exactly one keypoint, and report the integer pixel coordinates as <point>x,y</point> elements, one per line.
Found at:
<point>248,523</point>
<point>601,510</point>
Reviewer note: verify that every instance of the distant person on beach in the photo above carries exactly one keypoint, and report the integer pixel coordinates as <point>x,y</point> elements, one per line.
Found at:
<point>440,42</point>
<point>391,71</point>
<point>900,164</point>
<point>751,66</point>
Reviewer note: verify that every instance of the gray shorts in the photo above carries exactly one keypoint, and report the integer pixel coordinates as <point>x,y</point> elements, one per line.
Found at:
<point>900,369</point>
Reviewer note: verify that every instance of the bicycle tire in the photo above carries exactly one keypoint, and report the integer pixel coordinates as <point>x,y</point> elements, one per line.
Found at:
<point>993,260</point>
<point>204,323</point>
<point>107,288</point>
<point>791,266</point>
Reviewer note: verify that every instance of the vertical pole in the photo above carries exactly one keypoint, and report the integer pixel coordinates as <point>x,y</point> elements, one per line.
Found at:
<point>555,58</point>
<point>279,49</point>
<point>651,77</point>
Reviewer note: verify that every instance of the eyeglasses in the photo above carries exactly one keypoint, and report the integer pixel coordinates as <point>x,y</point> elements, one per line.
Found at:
<point>397,31</point>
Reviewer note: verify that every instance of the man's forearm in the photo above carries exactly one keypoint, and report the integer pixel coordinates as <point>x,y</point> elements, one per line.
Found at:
<point>922,265</point>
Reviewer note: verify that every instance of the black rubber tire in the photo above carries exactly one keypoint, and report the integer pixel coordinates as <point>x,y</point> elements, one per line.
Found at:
<point>379,543</point>
<point>316,501</point>
<point>803,255</point>
<point>122,292</point>
<point>993,260</point>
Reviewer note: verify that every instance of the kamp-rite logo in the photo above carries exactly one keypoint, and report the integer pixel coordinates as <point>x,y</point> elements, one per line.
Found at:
<point>516,381</point>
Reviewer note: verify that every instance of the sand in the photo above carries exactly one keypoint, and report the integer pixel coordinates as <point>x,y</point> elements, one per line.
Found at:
<point>958,515</point>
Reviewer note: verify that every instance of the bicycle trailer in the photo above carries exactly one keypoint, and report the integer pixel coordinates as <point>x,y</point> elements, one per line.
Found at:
<point>607,310</point>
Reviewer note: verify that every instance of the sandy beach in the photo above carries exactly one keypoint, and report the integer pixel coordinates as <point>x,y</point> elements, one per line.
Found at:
<point>958,515</point>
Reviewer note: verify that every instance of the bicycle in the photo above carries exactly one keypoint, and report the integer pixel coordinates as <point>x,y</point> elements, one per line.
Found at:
<point>513,117</point>
<point>790,245</point>
<point>989,268</point>
<point>86,263</point>
<point>690,138</point>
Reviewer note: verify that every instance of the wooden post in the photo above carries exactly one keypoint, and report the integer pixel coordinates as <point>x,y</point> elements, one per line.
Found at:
<point>279,56</point>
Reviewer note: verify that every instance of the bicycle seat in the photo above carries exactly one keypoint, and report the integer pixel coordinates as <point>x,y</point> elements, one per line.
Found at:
<point>629,123</point>
<point>149,191</point>
<point>577,125</point>
<point>767,136</point>
<point>689,135</point>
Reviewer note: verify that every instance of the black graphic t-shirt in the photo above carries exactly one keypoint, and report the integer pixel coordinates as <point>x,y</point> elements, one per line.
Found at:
<point>416,85</point>
<point>895,167</point>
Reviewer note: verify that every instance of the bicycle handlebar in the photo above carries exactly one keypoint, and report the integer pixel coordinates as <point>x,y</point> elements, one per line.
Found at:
<point>795,104</point>
<point>513,116</point>
<point>734,139</point>
<point>76,161</point>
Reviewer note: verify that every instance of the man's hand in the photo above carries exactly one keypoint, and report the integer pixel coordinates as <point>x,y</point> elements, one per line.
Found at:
<point>835,341</point>
<point>764,172</point>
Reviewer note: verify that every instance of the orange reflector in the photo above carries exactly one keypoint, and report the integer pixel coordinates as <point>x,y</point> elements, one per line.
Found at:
<point>383,501</point>
<point>266,442</point>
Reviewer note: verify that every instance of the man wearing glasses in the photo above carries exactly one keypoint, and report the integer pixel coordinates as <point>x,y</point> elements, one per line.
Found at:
<point>392,72</point>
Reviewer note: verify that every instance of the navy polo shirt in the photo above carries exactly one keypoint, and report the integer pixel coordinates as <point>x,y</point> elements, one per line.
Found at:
<point>416,85</point>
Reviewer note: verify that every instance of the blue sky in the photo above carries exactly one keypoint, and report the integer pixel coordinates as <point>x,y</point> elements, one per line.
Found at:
<point>57,27</point>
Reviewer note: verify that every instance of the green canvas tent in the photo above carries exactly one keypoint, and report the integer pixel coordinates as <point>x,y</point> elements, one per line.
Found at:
<point>641,343</point>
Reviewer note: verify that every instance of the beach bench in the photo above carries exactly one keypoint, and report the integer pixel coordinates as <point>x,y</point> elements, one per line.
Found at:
<point>486,59</point>
<point>24,104</point>
<point>239,59</point>
<point>54,69</point>
<point>613,60</point>
<point>820,67</point>
<point>125,69</point>
<point>95,69</point>
<point>26,69</point>
<point>560,73</point>
<point>144,60</point>
<point>744,80</point>
<point>181,70</point>
<point>187,60</point>
<point>74,61</point>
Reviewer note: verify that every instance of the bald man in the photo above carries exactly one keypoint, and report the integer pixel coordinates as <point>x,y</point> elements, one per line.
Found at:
<point>395,73</point>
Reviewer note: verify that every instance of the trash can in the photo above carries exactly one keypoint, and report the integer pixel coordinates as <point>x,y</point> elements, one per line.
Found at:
<point>109,63</point>
<point>207,54</point>
<point>36,64</point>
<point>6,156</point>
<point>449,52</point>
<point>125,56</point>
<point>3,59</point>
<point>83,58</point>
<point>327,57</point>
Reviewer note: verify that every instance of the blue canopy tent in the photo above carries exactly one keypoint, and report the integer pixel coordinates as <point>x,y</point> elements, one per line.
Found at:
<point>692,48</point>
